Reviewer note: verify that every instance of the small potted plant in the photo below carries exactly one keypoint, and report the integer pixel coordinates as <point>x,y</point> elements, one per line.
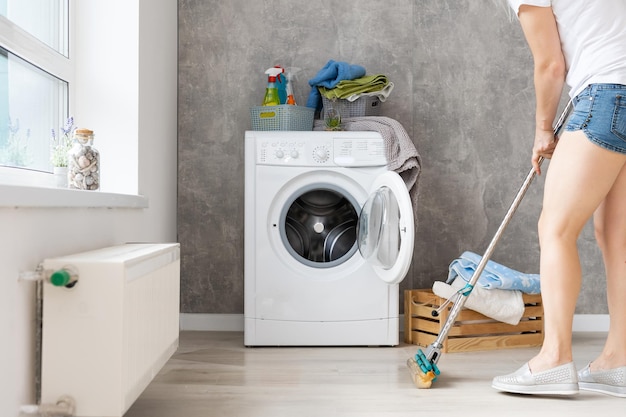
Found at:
<point>61,145</point>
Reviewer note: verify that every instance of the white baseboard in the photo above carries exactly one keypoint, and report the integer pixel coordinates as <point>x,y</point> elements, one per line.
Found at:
<point>211,322</point>
<point>591,323</point>
<point>234,322</point>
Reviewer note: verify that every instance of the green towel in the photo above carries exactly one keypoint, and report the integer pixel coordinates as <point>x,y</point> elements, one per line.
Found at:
<point>346,88</point>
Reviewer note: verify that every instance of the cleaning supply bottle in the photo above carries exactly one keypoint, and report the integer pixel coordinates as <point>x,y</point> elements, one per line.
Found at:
<point>291,75</point>
<point>271,92</point>
<point>281,85</point>
<point>290,98</point>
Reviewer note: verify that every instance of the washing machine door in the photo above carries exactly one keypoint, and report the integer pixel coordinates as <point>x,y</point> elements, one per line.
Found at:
<point>385,229</point>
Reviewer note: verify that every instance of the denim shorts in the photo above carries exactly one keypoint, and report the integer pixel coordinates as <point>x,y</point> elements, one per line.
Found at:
<point>600,111</point>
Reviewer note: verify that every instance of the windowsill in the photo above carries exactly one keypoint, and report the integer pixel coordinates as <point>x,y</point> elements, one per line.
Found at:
<point>48,197</point>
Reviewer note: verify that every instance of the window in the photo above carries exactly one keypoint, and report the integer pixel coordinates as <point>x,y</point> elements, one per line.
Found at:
<point>45,20</point>
<point>35,73</point>
<point>100,93</point>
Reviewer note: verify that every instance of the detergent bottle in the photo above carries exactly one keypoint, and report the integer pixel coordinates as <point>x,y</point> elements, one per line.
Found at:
<point>271,92</point>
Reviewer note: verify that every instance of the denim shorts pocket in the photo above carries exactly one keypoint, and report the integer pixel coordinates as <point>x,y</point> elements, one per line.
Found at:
<point>618,125</point>
<point>581,112</point>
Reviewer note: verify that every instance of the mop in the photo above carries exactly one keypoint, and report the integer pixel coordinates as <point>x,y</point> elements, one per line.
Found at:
<point>423,366</point>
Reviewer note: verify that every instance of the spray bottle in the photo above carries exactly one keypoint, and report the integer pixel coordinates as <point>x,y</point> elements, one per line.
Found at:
<point>281,84</point>
<point>290,98</point>
<point>271,92</point>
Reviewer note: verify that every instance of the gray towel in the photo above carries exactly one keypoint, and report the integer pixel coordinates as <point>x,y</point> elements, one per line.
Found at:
<point>402,156</point>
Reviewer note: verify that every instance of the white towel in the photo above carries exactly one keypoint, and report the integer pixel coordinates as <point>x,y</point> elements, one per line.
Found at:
<point>503,305</point>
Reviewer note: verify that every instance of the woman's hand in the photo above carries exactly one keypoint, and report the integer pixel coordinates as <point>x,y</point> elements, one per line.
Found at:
<point>545,143</point>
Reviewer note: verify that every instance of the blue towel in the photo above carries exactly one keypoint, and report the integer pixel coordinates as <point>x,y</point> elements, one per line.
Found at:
<point>329,76</point>
<point>494,275</point>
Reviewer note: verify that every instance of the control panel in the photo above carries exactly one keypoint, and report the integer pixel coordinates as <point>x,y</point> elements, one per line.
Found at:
<point>338,149</point>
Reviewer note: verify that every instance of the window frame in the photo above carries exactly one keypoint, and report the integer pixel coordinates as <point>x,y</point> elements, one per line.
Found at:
<point>33,51</point>
<point>27,188</point>
<point>19,42</point>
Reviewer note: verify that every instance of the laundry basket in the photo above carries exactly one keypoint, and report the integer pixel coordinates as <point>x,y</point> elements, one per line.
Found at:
<point>282,117</point>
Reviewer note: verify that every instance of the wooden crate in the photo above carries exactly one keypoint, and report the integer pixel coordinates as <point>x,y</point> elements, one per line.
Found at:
<point>471,331</point>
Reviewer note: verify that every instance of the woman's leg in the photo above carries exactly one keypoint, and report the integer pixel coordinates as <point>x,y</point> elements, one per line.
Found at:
<point>610,228</point>
<point>579,177</point>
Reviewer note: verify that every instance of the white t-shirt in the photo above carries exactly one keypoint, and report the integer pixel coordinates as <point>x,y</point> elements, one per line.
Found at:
<point>593,39</point>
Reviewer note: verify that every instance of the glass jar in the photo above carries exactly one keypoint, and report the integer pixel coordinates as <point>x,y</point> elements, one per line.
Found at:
<point>333,111</point>
<point>83,163</point>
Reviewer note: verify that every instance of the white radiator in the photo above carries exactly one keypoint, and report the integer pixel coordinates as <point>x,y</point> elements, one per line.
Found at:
<point>105,339</point>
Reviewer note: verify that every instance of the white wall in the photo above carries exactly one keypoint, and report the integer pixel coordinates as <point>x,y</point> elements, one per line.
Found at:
<point>145,93</point>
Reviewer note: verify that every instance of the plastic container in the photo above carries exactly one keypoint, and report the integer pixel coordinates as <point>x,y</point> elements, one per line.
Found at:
<point>363,106</point>
<point>83,163</point>
<point>282,117</point>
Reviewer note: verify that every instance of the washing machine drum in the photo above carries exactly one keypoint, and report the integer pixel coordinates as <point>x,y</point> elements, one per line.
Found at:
<point>321,227</point>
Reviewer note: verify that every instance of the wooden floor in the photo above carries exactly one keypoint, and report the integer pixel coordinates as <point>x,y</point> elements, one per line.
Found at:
<point>213,374</point>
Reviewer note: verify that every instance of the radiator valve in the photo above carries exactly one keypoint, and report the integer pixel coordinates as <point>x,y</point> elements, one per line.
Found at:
<point>64,277</point>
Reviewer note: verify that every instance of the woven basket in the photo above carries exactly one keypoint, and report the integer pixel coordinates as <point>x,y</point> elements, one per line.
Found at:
<point>282,117</point>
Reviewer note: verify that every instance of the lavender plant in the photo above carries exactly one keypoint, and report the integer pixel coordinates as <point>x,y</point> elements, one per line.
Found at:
<point>62,144</point>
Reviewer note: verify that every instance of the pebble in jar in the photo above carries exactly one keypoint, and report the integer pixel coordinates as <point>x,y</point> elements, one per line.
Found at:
<point>83,171</point>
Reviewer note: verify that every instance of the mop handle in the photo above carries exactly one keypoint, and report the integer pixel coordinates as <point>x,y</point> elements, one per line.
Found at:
<point>456,308</point>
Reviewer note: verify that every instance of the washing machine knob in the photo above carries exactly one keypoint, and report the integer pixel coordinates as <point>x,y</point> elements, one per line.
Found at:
<point>321,154</point>
<point>279,154</point>
<point>294,154</point>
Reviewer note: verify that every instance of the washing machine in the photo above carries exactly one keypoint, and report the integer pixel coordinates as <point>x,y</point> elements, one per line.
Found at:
<point>329,234</point>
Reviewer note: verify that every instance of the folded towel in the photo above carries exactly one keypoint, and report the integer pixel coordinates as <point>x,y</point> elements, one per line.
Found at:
<point>402,156</point>
<point>372,84</point>
<point>494,275</point>
<point>503,305</point>
<point>329,76</point>
<point>381,94</point>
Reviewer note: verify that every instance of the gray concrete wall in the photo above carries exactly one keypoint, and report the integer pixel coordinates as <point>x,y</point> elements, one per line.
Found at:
<point>463,91</point>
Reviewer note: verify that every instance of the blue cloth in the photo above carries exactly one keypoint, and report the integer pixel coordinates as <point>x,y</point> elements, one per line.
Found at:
<point>329,76</point>
<point>494,275</point>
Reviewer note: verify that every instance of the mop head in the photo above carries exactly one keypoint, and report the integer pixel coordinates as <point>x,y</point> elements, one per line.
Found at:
<point>422,371</point>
